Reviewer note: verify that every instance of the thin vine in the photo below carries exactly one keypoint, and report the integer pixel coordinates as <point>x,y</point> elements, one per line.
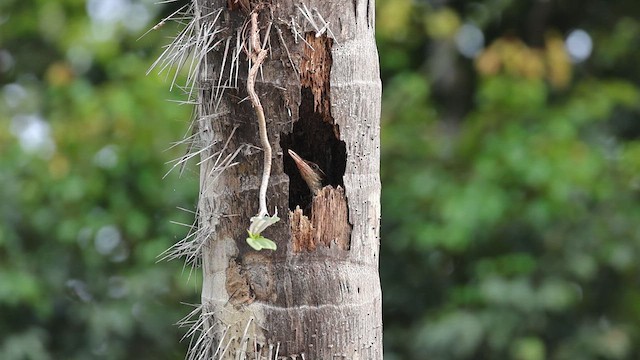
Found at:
<point>257,53</point>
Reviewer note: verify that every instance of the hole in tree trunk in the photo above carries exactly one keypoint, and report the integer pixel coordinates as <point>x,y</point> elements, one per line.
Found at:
<point>316,175</point>
<point>314,140</point>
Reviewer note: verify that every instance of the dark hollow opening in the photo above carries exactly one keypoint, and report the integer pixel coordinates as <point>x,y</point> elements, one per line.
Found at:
<point>314,140</point>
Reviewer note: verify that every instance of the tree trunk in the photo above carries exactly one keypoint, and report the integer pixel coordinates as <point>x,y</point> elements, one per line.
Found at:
<point>318,295</point>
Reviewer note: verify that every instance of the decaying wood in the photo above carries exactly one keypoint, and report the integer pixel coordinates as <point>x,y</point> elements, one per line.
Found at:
<point>302,232</point>
<point>330,218</point>
<point>318,296</point>
<point>329,224</point>
<point>315,72</point>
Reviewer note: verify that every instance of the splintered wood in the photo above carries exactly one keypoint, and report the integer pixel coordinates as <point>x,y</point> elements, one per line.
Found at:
<point>329,225</point>
<point>315,72</point>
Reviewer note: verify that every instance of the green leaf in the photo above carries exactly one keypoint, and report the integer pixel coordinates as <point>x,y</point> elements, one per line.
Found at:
<point>258,242</point>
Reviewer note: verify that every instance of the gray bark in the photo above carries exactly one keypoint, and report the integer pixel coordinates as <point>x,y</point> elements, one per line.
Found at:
<point>318,295</point>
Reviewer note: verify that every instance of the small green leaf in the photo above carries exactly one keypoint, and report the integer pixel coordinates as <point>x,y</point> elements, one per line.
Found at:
<point>258,242</point>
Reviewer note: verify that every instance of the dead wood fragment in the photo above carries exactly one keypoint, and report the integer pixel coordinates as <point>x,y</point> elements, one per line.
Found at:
<point>315,72</point>
<point>329,225</point>
<point>301,232</point>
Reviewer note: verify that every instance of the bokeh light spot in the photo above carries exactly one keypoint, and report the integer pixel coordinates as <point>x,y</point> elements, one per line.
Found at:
<point>469,40</point>
<point>579,45</point>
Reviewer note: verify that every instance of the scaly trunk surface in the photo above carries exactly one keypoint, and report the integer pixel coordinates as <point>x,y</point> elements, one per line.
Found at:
<point>318,295</point>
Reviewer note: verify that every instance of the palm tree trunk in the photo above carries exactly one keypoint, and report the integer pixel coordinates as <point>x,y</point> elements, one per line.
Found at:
<point>318,295</point>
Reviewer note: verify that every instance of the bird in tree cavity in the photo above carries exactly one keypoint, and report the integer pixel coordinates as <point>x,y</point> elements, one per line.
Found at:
<point>310,172</point>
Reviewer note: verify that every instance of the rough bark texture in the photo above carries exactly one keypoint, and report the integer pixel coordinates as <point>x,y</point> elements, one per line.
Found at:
<point>318,296</point>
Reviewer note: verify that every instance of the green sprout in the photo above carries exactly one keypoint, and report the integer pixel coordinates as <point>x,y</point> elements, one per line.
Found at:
<point>258,224</point>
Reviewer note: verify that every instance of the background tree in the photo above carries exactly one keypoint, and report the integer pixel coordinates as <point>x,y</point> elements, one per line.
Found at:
<point>509,168</point>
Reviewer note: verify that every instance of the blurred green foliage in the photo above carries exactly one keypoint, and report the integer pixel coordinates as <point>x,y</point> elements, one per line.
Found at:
<point>511,179</point>
<point>85,211</point>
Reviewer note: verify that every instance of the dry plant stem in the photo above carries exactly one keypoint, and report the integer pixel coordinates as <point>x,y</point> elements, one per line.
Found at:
<point>257,55</point>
